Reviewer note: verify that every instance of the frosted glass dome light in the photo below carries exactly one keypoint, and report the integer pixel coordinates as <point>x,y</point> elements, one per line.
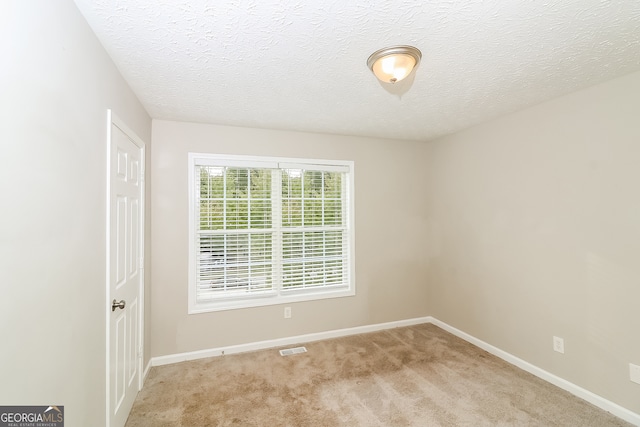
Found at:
<point>392,64</point>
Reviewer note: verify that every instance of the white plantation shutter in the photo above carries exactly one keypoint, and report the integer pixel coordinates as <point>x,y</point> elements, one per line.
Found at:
<point>266,231</point>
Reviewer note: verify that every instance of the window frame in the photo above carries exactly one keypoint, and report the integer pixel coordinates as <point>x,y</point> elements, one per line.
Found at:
<point>278,295</point>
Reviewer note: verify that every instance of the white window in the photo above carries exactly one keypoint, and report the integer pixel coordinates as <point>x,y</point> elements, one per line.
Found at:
<point>268,231</point>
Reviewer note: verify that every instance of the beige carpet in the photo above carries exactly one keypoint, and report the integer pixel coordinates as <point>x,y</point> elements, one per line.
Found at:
<point>413,376</point>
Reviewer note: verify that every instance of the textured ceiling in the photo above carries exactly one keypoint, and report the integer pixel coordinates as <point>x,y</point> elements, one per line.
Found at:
<point>301,65</point>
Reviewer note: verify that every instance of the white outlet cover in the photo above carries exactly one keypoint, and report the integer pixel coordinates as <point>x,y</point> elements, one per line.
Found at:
<point>558,344</point>
<point>634,373</point>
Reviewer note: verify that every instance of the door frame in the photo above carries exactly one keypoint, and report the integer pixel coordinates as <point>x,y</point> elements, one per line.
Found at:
<point>114,120</point>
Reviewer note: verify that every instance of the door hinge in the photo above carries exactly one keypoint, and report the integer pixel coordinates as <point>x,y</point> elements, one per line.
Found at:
<point>142,262</point>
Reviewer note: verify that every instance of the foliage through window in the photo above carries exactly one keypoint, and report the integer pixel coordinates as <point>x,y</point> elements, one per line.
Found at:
<point>268,231</point>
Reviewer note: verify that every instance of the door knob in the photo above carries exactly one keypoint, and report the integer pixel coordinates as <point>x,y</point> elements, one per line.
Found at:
<point>115,304</point>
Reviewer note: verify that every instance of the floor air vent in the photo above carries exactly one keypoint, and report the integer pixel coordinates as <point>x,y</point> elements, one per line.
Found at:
<point>290,351</point>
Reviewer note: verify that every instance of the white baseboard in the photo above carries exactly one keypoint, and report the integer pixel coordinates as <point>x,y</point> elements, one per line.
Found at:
<point>578,391</point>
<point>146,370</point>
<point>260,345</point>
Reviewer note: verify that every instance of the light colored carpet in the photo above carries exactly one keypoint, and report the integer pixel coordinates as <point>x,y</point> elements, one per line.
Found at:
<point>412,376</point>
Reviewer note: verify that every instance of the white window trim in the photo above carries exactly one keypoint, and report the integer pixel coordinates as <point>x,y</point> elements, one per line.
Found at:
<point>272,297</point>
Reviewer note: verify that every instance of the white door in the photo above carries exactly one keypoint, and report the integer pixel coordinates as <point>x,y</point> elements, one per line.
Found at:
<point>125,282</point>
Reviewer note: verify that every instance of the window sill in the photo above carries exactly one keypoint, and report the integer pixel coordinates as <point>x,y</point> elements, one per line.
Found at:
<point>269,299</point>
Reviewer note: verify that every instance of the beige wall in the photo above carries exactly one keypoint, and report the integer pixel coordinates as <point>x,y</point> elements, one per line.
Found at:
<point>56,84</point>
<point>390,230</point>
<point>535,225</point>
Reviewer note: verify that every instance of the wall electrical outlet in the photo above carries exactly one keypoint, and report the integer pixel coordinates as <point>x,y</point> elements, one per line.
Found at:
<point>558,344</point>
<point>634,373</point>
<point>287,312</point>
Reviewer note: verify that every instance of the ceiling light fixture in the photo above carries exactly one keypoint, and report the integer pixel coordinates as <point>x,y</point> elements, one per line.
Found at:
<point>392,64</point>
